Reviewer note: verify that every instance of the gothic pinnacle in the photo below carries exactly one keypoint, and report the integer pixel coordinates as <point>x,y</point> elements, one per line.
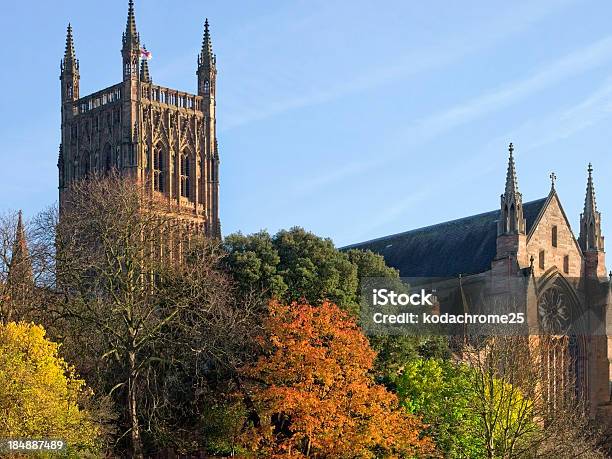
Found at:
<point>20,269</point>
<point>69,62</point>
<point>206,56</point>
<point>512,220</point>
<point>511,180</point>
<point>130,37</point>
<point>590,205</point>
<point>69,51</point>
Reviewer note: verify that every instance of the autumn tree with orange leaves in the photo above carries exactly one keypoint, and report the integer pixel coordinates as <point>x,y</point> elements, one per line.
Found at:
<point>312,395</point>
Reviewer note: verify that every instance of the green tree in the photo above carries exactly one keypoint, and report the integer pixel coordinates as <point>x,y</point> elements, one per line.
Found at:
<point>40,394</point>
<point>443,394</point>
<point>254,261</point>
<point>293,265</point>
<point>296,265</point>
<point>472,410</point>
<point>393,351</point>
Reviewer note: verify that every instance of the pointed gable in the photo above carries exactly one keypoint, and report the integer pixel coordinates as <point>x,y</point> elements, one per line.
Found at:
<point>551,239</point>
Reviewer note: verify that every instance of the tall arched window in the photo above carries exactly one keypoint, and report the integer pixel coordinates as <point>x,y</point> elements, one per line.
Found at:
<point>158,170</point>
<point>185,174</point>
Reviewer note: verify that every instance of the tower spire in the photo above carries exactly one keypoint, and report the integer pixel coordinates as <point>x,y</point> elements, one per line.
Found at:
<point>69,53</point>
<point>131,37</point>
<point>69,70</point>
<point>207,56</point>
<point>512,220</point>
<point>590,204</point>
<point>131,46</point>
<point>207,66</point>
<point>511,180</point>
<point>590,238</point>
<point>20,268</point>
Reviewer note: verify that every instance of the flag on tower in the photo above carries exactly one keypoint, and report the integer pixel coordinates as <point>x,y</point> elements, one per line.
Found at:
<point>144,54</point>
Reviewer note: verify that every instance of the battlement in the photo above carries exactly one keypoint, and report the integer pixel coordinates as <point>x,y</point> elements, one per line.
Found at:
<point>149,92</point>
<point>98,99</point>
<point>171,97</point>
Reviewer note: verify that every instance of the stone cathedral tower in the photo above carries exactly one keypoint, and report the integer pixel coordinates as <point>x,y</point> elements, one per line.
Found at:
<point>163,138</point>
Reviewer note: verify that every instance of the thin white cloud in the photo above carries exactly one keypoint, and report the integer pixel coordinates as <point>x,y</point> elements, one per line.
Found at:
<point>262,104</point>
<point>577,62</point>
<point>565,123</point>
<point>574,63</point>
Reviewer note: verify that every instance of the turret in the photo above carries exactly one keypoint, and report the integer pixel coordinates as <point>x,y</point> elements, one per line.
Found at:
<point>511,228</point>
<point>69,77</point>
<point>207,66</point>
<point>131,46</point>
<point>512,220</point>
<point>207,84</point>
<point>130,53</point>
<point>591,239</point>
<point>69,70</point>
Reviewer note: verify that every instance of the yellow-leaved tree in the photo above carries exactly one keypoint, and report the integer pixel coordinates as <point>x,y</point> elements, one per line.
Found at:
<point>40,394</point>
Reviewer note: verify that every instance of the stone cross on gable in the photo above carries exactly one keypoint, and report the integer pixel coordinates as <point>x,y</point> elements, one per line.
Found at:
<point>553,179</point>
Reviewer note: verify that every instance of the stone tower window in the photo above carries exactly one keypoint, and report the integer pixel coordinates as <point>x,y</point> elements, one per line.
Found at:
<point>206,87</point>
<point>158,170</point>
<point>542,259</point>
<point>566,262</point>
<point>185,173</point>
<point>555,237</point>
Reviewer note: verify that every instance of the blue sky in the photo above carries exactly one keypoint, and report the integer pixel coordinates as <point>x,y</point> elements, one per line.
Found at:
<point>354,119</point>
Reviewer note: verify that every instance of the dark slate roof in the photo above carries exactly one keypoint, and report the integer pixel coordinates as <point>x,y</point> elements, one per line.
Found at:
<point>464,246</point>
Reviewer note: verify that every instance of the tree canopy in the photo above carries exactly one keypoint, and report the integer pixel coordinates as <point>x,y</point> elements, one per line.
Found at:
<point>40,394</point>
<point>293,265</point>
<point>314,396</point>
